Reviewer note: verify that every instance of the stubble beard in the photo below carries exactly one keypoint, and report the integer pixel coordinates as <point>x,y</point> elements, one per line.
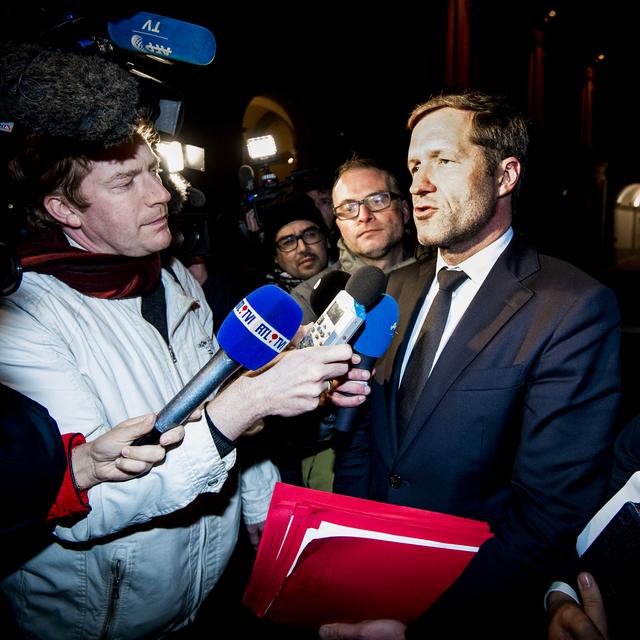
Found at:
<point>378,252</point>
<point>457,232</point>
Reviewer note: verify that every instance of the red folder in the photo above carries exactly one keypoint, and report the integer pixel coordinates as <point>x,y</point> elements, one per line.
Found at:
<point>326,557</point>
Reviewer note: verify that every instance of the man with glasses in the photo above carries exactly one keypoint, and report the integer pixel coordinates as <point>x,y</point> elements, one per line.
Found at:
<point>371,215</point>
<point>295,238</point>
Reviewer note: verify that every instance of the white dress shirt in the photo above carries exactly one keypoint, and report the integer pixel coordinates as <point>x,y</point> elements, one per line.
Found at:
<point>477,267</point>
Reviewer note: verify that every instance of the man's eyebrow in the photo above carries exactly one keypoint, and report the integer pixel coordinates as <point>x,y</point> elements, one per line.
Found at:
<point>311,226</point>
<point>122,175</point>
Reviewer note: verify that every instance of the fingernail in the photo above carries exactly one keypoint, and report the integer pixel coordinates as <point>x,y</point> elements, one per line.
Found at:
<point>125,452</point>
<point>584,580</point>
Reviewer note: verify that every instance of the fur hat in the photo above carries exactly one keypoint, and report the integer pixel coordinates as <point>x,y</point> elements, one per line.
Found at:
<point>67,95</point>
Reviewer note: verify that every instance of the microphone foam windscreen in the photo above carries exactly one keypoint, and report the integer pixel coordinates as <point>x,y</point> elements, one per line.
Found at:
<point>326,289</point>
<point>379,327</point>
<point>68,95</point>
<point>260,326</point>
<point>366,285</point>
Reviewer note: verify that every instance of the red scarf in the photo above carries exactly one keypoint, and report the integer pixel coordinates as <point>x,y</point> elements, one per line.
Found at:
<point>100,275</point>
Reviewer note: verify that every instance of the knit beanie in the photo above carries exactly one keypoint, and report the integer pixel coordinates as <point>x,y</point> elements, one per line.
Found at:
<point>285,208</point>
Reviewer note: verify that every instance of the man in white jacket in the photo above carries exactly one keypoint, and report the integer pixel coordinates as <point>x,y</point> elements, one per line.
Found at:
<point>100,331</point>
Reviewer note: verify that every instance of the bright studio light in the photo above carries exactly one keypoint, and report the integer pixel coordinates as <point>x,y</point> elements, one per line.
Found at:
<point>171,153</point>
<point>194,157</point>
<point>262,147</point>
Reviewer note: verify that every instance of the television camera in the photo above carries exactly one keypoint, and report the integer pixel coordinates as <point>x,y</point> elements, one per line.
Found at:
<point>99,58</point>
<point>258,192</point>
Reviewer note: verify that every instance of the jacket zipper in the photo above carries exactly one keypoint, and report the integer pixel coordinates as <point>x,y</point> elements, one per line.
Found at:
<point>115,596</point>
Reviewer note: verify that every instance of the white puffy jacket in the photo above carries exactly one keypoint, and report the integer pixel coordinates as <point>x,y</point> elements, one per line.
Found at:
<point>152,548</point>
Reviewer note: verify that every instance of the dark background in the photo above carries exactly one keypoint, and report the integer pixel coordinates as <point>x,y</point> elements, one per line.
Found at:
<point>351,75</point>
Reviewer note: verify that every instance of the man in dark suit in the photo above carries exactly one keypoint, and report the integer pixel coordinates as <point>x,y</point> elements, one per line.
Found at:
<point>514,421</point>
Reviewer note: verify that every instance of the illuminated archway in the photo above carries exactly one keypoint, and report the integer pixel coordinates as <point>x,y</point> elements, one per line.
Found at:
<point>263,116</point>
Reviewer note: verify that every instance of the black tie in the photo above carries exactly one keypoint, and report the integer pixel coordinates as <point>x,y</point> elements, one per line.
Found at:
<point>424,350</point>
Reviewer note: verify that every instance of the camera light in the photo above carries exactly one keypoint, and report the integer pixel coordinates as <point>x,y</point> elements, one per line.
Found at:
<point>194,157</point>
<point>262,147</point>
<point>171,153</point>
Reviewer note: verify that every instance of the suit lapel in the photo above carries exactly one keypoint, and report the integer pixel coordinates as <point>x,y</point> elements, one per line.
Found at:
<point>408,286</point>
<point>500,296</point>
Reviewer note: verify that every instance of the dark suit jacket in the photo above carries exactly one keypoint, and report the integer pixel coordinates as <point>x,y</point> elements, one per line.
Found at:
<point>626,457</point>
<point>515,427</point>
<point>32,466</point>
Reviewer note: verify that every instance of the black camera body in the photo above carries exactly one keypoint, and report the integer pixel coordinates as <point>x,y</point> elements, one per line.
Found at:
<point>300,180</point>
<point>190,235</point>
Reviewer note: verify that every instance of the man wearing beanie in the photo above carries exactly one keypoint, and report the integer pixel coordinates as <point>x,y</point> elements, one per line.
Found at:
<point>295,239</point>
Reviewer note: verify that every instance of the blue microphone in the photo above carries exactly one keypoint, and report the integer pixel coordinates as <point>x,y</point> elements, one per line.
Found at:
<point>258,328</point>
<point>372,341</point>
<point>151,34</point>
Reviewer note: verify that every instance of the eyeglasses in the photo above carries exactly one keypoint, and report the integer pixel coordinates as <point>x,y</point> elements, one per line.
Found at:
<point>311,235</point>
<point>349,209</point>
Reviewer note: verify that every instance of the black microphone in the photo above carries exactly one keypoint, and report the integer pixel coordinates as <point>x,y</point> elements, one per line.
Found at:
<point>196,197</point>
<point>258,328</point>
<point>326,289</point>
<point>246,178</point>
<point>372,341</point>
<point>347,311</point>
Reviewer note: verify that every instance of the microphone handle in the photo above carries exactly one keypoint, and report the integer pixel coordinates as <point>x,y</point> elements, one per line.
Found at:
<point>200,387</point>
<point>346,415</point>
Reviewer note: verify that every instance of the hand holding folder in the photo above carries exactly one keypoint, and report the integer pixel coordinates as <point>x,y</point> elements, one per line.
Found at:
<point>326,557</point>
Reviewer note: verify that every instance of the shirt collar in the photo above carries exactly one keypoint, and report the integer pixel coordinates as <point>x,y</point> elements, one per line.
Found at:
<point>479,264</point>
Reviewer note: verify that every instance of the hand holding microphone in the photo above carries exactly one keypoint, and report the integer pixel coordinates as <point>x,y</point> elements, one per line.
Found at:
<point>290,386</point>
<point>342,303</point>
<point>254,333</point>
<point>294,384</point>
<point>371,343</point>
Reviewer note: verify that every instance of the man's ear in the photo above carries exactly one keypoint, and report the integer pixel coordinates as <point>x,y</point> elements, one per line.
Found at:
<point>61,212</point>
<point>508,175</point>
<point>406,211</point>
